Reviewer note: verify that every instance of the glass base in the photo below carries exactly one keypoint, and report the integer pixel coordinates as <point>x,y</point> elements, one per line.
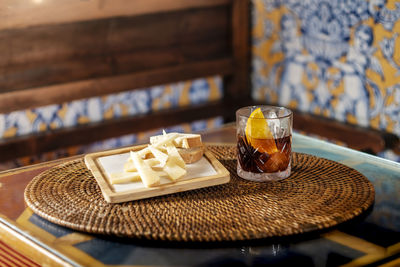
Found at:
<point>263,177</point>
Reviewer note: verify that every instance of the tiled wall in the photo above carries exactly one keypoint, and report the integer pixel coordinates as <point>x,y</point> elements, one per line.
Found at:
<point>336,58</point>
<point>112,106</point>
<point>108,107</point>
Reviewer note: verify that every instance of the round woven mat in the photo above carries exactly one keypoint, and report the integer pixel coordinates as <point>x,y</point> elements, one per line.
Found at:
<point>319,193</point>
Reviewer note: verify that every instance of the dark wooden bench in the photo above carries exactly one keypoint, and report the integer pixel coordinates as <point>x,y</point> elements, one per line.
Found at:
<point>80,53</point>
<point>364,139</point>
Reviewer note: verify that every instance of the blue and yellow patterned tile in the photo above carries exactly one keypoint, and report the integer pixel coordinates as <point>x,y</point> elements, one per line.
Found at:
<point>139,101</point>
<point>332,58</point>
<point>126,140</point>
<point>95,109</point>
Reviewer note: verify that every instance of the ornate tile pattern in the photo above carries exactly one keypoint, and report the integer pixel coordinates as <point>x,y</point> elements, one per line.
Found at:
<point>336,58</point>
<point>95,109</point>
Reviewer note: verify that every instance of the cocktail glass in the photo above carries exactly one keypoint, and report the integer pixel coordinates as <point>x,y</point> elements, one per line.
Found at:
<point>264,142</point>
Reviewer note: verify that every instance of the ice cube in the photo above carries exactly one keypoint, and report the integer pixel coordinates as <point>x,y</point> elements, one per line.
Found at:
<point>274,124</point>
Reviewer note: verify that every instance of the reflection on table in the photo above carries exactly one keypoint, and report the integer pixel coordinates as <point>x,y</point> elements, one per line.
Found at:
<point>372,238</point>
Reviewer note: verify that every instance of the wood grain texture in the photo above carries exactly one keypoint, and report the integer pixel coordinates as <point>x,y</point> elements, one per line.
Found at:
<point>12,204</point>
<point>355,137</point>
<point>29,248</point>
<point>10,256</point>
<point>20,13</point>
<point>131,45</point>
<point>237,86</point>
<point>56,54</point>
<point>57,94</point>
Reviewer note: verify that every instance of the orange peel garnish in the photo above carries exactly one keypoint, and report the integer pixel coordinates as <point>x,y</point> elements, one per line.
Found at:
<point>258,133</point>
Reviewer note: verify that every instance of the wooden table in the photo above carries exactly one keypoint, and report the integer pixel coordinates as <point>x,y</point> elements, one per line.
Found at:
<point>373,238</point>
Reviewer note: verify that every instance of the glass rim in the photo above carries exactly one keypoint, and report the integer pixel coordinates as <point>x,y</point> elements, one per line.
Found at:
<point>247,110</point>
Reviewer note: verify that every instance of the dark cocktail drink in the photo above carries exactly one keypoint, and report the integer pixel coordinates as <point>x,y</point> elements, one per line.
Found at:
<point>254,159</point>
<point>264,143</point>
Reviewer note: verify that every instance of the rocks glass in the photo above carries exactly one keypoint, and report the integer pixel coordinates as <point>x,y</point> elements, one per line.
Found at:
<point>264,142</point>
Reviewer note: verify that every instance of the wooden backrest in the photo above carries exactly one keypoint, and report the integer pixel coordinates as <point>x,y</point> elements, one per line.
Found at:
<point>55,53</point>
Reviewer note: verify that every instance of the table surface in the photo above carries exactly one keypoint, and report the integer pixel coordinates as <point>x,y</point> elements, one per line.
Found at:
<point>370,239</point>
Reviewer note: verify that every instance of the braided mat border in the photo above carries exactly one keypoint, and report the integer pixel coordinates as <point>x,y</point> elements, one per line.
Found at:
<point>319,193</point>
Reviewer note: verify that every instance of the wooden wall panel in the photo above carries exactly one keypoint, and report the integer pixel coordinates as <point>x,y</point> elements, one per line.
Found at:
<point>58,51</point>
<point>45,55</point>
<point>65,92</point>
<point>23,13</point>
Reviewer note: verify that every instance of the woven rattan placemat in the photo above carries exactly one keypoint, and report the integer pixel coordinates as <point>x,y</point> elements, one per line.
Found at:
<point>319,193</point>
